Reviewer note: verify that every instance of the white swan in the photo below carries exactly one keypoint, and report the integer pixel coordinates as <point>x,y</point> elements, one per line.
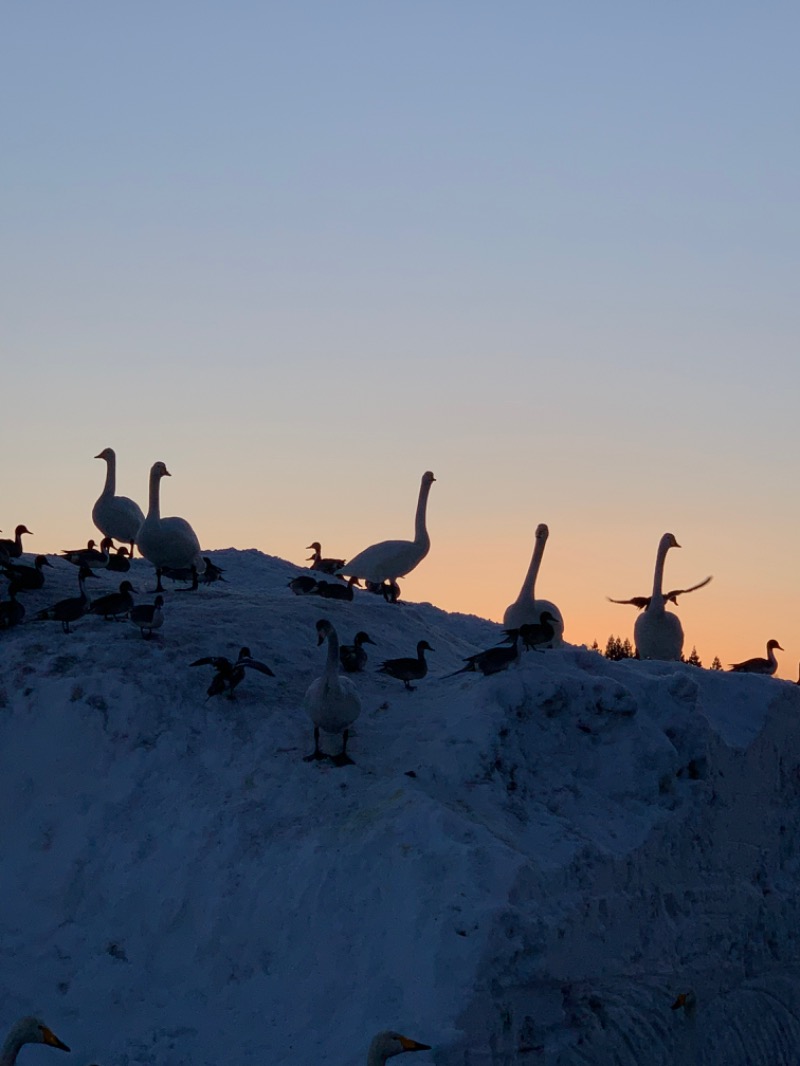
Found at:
<point>166,541</point>
<point>391,559</point>
<point>658,633</point>
<point>332,701</point>
<point>116,516</point>
<point>388,1043</point>
<point>526,609</point>
<point>27,1031</point>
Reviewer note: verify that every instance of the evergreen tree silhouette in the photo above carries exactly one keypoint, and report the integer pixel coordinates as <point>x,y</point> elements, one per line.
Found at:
<point>716,664</point>
<point>694,658</point>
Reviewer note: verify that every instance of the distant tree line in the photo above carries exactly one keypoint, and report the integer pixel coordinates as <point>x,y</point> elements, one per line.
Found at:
<point>617,649</point>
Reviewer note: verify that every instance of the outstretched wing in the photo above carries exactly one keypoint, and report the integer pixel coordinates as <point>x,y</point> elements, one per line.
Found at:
<point>637,601</point>
<point>673,596</point>
<point>254,664</point>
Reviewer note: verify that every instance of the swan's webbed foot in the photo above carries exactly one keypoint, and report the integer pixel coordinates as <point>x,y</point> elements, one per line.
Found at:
<point>195,583</point>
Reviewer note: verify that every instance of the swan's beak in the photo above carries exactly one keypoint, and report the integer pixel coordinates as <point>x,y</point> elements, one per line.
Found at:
<point>49,1037</point>
<point>413,1045</point>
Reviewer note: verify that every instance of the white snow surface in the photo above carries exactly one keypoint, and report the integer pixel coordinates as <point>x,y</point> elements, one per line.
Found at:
<point>524,868</point>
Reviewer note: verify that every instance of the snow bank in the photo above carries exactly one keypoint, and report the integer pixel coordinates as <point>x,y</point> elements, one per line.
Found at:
<point>526,868</point>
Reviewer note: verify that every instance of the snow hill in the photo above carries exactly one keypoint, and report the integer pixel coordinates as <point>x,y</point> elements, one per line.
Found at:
<point>525,868</point>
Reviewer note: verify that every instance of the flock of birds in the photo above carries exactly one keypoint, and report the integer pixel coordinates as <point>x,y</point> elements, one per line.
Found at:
<point>332,702</point>
<point>30,1030</point>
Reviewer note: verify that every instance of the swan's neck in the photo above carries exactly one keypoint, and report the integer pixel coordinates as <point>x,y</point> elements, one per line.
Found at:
<point>376,1057</point>
<point>528,590</point>
<point>657,601</point>
<point>332,664</point>
<point>14,1041</point>
<point>154,505</point>
<point>111,477</point>
<point>420,531</point>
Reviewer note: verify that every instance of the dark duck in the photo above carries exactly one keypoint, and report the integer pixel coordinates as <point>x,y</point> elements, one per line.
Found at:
<point>12,549</point>
<point>148,616</point>
<point>114,605</point>
<point>324,566</point>
<point>408,669</point>
<point>352,657</point>
<point>71,609</point>
<point>229,675</point>
<point>23,577</point>
<point>493,660</point>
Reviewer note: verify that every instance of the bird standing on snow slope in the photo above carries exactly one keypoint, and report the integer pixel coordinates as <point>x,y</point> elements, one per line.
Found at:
<point>148,616</point>
<point>116,516</point>
<point>526,609</point>
<point>390,559</point>
<point>28,1031</point>
<point>114,604</point>
<point>408,669</point>
<point>331,701</point>
<point>758,665</point>
<point>71,609</point>
<point>229,675</point>
<point>166,542</point>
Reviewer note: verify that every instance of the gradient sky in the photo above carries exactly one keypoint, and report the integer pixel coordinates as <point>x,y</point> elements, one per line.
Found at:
<point>304,252</point>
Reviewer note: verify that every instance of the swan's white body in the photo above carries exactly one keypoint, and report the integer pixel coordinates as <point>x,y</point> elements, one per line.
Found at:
<point>115,516</point>
<point>27,1031</point>
<point>167,541</point>
<point>388,1043</point>
<point>658,633</point>
<point>526,609</point>
<point>391,559</point>
<point>332,701</point>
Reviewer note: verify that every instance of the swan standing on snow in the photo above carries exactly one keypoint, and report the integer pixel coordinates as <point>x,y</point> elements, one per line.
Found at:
<point>388,1043</point>
<point>526,609</point>
<point>391,559</point>
<point>658,633</point>
<point>758,665</point>
<point>116,516</point>
<point>166,542</point>
<point>332,701</point>
<point>28,1031</point>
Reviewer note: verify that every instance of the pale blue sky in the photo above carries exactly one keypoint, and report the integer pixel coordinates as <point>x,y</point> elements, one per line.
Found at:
<point>304,252</point>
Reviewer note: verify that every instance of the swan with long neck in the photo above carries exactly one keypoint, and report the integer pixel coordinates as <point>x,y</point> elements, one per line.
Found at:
<point>28,1031</point>
<point>389,1043</point>
<point>166,542</point>
<point>332,701</point>
<point>116,516</point>
<point>390,559</point>
<point>658,632</point>
<point>526,609</point>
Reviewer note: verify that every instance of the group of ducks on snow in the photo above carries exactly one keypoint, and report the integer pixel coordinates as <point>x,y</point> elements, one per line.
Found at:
<point>385,1045</point>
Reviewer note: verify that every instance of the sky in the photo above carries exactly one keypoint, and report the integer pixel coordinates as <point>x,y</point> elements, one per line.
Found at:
<point>302,253</point>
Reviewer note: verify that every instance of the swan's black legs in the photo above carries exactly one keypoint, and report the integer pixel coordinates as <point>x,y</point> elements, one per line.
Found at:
<point>316,754</point>
<point>343,759</point>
